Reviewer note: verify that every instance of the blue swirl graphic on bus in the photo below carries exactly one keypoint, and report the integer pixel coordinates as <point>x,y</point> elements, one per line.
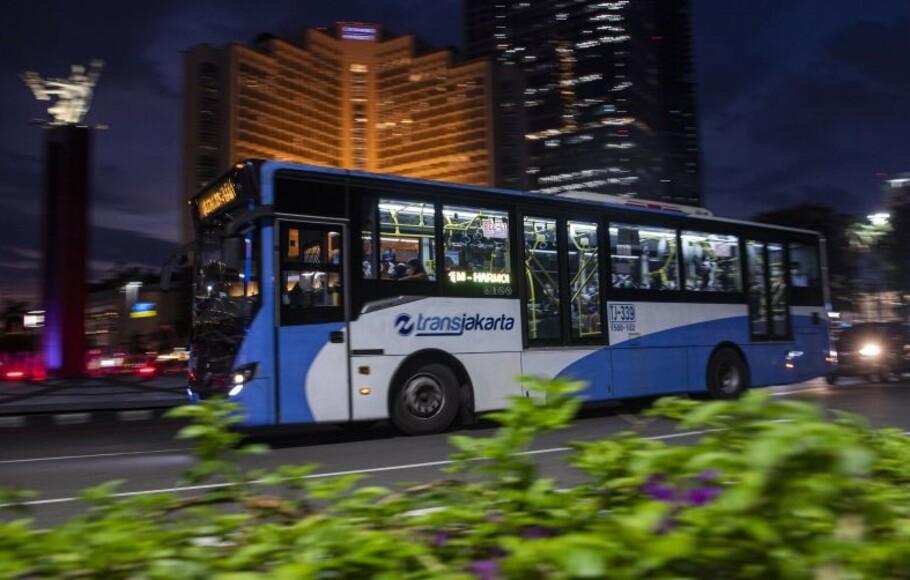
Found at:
<point>404,325</point>
<point>457,325</point>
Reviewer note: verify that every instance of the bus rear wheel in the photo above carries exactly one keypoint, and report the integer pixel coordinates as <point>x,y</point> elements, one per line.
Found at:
<point>728,376</point>
<point>426,401</point>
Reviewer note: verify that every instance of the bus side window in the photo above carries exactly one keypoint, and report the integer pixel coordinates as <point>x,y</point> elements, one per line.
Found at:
<point>710,262</point>
<point>407,236</point>
<point>584,279</point>
<point>310,275</point>
<point>477,251</point>
<point>542,273</point>
<point>643,257</point>
<point>804,267</point>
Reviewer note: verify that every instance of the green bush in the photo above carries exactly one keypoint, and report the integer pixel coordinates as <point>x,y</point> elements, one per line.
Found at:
<point>765,489</point>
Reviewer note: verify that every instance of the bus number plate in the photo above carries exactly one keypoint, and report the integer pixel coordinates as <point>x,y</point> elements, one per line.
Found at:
<point>622,317</point>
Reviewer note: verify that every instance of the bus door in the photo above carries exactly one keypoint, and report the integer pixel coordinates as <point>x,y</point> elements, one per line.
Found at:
<point>312,349</point>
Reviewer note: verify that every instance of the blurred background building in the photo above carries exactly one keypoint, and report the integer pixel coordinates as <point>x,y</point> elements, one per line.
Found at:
<point>351,97</point>
<point>607,94</point>
<point>897,190</point>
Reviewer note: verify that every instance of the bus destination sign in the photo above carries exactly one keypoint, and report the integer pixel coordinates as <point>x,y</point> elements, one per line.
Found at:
<point>218,197</point>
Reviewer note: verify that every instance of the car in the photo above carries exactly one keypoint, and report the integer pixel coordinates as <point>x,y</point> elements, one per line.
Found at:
<point>876,351</point>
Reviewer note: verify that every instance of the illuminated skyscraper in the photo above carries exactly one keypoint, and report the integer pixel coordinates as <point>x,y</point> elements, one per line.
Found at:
<point>353,98</point>
<point>607,99</point>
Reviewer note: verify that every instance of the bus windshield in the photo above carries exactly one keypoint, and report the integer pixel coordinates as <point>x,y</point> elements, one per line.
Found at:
<point>226,297</point>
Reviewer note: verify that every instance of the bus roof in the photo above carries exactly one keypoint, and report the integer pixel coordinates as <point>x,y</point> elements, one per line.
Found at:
<point>575,197</point>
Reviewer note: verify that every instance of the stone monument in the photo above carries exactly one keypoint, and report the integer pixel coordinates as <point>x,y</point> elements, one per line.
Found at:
<point>67,175</point>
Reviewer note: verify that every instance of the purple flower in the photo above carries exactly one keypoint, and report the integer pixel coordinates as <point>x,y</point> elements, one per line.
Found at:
<point>485,569</point>
<point>665,526</point>
<point>536,532</point>
<point>440,538</point>
<point>707,475</point>
<point>657,490</point>
<point>702,495</point>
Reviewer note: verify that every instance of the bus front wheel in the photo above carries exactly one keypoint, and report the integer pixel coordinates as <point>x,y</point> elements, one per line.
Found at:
<point>728,376</point>
<point>426,401</point>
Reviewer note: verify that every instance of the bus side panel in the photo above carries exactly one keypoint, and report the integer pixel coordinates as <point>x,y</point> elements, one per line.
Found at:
<point>591,366</point>
<point>454,325</point>
<point>258,396</point>
<point>663,348</point>
<point>811,331</point>
<point>806,353</point>
<point>644,371</point>
<point>313,383</point>
<point>494,377</point>
<point>767,363</point>
<point>696,372</point>
<point>370,383</point>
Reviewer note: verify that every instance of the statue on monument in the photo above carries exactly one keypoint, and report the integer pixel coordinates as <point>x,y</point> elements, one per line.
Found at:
<point>74,94</point>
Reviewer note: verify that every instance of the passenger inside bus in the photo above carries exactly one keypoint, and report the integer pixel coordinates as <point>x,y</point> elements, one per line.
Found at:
<point>414,271</point>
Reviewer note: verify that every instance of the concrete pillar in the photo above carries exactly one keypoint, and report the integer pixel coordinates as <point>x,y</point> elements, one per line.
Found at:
<point>67,150</point>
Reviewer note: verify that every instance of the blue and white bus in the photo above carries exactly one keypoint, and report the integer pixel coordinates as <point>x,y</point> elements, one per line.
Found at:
<point>325,295</point>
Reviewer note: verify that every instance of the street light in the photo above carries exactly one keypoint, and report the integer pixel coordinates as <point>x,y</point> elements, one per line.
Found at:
<point>879,219</point>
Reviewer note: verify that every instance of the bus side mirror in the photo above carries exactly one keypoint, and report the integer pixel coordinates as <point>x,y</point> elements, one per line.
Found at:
<point>176,258</point>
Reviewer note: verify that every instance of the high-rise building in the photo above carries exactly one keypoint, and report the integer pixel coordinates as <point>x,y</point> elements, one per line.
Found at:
<point>352,97</point>
<point>606,95</point>
<point>897,190</point>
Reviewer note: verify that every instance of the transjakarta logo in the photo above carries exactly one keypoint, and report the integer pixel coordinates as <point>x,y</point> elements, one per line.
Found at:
<point>451,325</point>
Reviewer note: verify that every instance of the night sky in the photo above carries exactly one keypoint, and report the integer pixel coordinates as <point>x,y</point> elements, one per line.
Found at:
<point>799,101</point>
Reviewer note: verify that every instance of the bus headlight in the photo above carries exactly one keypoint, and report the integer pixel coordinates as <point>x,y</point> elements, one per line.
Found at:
<point>241,376</point>
<point>870,350</point>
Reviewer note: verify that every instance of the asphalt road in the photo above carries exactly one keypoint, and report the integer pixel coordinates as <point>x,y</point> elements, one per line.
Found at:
<point>60,460</point>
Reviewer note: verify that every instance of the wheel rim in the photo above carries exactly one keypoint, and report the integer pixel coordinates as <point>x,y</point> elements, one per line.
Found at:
<point>423,396</point>
<point>728,378</point>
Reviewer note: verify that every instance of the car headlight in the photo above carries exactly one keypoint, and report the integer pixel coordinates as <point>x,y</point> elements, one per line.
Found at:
<point>871,350</point>
<point>241,376</point>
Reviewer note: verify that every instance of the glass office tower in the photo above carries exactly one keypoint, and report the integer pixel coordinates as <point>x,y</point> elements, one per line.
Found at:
<point>602,95</point>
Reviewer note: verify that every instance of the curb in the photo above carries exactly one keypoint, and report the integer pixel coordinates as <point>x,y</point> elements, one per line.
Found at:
<point>58,418</point>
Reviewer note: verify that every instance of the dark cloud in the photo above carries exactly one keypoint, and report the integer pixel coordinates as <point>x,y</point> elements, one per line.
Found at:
<point>876,52</point>
<point>118,246</point>
<point>731,45</point>
<point>824,122</point>
<point>21,175</point>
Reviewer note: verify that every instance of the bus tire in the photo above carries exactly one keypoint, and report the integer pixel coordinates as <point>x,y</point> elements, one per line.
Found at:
<point>426,401</point>
<point>728,376</point>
